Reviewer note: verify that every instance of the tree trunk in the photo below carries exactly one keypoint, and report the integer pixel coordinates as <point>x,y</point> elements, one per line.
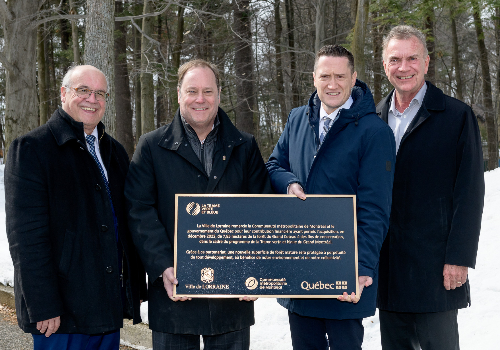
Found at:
<point>176,62</point>
<point>280,85</point>
<point>456,58</point>
<point>124,133</point>
<point>99,45</point>
<point>137,84</point>
<point>147,86</point>
<point>64,35</point>
<point>320,24</point>
<point>52,83</point>
<point>161,117</point>
<point>176,52</point>
<point>487,95</point>
<point>377,62</point>
<point>358,43</point>
<point>291,48</point>
<point>431,46</point>
<point>42,87</point>
<point>46,50</point>
<point>243,66</point>
<point>74,34</point>
<point>19,60</point>
<point>497,37</point>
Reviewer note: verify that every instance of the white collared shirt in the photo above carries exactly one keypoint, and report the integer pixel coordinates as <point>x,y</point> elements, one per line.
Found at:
<point>399,121</point>
<point>97,150</point>
<point>334,115</point>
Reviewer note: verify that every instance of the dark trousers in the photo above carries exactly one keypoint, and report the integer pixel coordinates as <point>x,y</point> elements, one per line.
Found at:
<point>412,331</point>
<point>108,341</point>
<point>309,333</point>
<point>237,340</point>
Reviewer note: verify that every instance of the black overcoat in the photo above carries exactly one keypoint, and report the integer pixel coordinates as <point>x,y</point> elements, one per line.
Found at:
<point>164,164</point>
<point>61,231</point>
<point>437,205</point>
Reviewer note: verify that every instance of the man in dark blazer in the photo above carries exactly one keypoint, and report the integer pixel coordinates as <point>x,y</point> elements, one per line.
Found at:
<point>199,152</point>
<point>76,271</point>
<point>437,203</point>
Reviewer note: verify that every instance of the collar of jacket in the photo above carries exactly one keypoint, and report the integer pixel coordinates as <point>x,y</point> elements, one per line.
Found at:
<point>433,101</point>
<point>362,105</point>
<point>174,136</point>
<point>65,128</point>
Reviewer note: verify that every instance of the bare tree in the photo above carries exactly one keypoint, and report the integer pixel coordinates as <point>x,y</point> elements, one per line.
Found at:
<point>320,24</point>
<point>487,94</point>
<point>74,34</point>
<point>280,86</point>
<point>147,86</point>
<point>123,106</point>
<point>99,45</point>
<point>243,66</point>
<point>19,60</point>
<point>456,57</point>
<point>431,42</point>
<point>358,43</point>
<point>291,48</point>
<point>42,86</point>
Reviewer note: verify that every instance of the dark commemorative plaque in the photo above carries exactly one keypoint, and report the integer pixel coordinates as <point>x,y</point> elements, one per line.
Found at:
<point>265,245</point>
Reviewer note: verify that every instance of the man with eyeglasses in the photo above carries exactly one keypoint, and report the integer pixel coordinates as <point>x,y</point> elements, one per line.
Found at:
<point>76,271</point>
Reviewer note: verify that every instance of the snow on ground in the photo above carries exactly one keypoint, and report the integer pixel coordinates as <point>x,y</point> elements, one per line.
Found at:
<point>478,325</point>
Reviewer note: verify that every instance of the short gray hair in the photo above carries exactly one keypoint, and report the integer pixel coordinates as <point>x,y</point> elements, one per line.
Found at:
<point>67,81</point>
<point>404,32</point>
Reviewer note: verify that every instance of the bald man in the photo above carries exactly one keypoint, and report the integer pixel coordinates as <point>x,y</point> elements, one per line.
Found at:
<point>76,271</point>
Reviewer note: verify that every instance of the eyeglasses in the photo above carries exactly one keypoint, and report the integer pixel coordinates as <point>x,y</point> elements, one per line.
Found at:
<point>83,92</point>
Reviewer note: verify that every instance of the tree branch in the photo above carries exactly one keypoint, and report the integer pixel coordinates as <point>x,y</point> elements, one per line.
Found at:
<point>125,18</point>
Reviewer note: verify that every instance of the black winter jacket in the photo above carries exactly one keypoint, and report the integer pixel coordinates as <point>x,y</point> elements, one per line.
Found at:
<point>61,231</point>
<point>164,164</point>
<point>437,204</point>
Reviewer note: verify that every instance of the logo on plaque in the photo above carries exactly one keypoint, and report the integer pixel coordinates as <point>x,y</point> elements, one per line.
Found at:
<point>251,283</point>
<point>193,208</point>
<point>207,275</point>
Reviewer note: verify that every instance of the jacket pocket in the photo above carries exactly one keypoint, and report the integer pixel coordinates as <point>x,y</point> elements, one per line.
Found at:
<point>66,254</point>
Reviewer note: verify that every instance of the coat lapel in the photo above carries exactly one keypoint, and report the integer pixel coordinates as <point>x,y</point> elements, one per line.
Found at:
<point>174,140</point>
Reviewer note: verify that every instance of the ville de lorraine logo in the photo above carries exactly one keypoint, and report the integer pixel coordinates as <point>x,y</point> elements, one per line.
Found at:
<point>193,208</point>
<point>207,275</point>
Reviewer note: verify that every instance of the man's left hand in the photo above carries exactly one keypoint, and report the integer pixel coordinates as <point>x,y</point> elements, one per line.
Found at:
<point>454,276</point>
<point>364,281</point>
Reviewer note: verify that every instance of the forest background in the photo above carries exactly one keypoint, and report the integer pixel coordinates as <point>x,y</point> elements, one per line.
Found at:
<point>264,48</point>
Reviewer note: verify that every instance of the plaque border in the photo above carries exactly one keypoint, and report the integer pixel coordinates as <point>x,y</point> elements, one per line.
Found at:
<point>330,296</point>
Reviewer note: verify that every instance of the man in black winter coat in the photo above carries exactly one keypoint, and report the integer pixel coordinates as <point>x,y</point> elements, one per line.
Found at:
<point>76,271</point>
<point>437,203</point>
<point>201,151</point>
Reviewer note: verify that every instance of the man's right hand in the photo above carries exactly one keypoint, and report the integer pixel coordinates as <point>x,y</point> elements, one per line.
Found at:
<point>49,326</point>
<point>297,190</point>
<point>168,282</point>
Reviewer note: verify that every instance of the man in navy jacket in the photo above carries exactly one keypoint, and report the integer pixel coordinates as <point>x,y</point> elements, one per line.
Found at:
<point>337,145</point>
<point>437,203</point>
